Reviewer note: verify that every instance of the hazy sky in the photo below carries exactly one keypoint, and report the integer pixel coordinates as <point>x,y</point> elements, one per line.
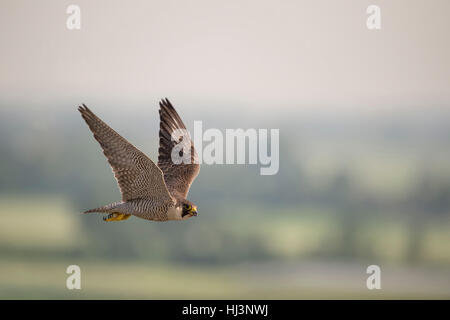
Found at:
<point>271,54</point>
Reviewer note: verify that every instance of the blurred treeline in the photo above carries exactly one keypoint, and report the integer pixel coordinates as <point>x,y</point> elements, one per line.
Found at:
<point>371,186</point>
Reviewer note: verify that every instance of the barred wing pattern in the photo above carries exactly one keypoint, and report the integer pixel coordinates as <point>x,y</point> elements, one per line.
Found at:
<point>178,177</point>
<point>138,177</point>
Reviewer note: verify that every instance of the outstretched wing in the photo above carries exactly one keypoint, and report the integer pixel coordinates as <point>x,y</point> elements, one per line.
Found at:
<point>138,177</point>
<point>178,177</point>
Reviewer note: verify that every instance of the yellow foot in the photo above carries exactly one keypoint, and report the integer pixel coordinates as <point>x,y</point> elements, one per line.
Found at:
<point>116,217</point>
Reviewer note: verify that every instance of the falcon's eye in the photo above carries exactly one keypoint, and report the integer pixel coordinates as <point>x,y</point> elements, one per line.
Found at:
<point>187,207</point>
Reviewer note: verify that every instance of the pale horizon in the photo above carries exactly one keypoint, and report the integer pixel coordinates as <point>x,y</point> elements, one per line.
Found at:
<point>303,55</point>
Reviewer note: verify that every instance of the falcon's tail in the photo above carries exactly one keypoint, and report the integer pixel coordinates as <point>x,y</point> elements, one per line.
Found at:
<point>109,208</point>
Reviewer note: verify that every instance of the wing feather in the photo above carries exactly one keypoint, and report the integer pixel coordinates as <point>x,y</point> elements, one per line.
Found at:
<point>178,177</point>
<point>137,176</point>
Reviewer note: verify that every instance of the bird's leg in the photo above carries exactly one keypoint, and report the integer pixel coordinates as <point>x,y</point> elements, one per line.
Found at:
<point>116,217</point>
<point>123,216</point>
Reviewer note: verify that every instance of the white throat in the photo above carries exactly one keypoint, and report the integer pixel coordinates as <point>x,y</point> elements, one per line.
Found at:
<point>174,213</point>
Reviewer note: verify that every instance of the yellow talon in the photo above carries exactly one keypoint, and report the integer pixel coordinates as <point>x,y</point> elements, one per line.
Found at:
<point>124,216</point>
<point>116,217</point>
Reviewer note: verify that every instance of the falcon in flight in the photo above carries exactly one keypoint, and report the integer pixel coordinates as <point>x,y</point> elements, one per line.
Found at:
<point>149,191</point>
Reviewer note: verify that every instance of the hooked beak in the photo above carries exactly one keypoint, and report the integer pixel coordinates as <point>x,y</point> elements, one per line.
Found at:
<point>194,211</point>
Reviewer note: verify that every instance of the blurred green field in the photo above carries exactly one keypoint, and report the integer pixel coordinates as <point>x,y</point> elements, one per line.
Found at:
<point>345,197</point>
<point>25,279</point>
<point>40,241</point>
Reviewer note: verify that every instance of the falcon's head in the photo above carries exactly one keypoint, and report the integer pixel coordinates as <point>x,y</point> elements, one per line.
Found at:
<point>189,209</point>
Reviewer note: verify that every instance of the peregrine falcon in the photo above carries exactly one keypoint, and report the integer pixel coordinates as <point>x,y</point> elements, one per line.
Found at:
<point>149,191</point>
